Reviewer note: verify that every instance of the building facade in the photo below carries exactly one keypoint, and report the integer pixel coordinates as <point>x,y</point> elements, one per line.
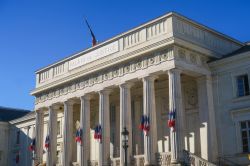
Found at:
<point>170,68</point>
<point>6,115</point>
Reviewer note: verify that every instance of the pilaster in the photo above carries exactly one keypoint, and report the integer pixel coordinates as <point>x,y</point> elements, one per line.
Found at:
<point>39,136</point>
<point>208,137</point>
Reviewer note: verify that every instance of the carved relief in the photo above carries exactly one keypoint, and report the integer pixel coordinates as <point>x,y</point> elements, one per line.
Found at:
<point>191,94</point>
<point>182,54</point>
<point>109,74</point>
<point>192,57</point>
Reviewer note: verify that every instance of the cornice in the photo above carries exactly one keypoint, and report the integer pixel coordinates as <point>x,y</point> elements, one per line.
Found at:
<point>109,74</point>
<point>30,116</point>
<point>170,14</point>
<point>109,40</point>
<point>228,60</point>
<point>104,65</point>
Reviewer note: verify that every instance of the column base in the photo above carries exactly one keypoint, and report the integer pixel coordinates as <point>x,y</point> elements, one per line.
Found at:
<point>147,164</point>
<point>177,164</point>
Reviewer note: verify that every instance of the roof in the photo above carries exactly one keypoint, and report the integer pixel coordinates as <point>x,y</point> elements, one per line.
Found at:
<point>243,49</point>
<point>169,14</point>
<point>7,114</point>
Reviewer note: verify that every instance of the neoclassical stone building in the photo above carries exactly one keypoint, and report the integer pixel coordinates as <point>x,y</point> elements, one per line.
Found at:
<point>168,65</point>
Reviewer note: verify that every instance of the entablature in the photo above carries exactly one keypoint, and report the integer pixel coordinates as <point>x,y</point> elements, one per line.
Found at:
<point>146,39</point>
<point>154,63</point>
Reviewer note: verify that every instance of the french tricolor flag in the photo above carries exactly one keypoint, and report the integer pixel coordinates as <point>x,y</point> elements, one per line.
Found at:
<point>78,137</point>
<point>47,142</point>
<point>98,133</point>
<point>145,124</point>
<point>94,41</point>
<point>171,118</point>
<point>32,145</point>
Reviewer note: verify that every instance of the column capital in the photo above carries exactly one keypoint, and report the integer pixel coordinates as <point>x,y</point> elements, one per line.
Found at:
<point>105,91</point>
<point>86,97</point>
<point>150,78</point>
<point>127,85</point>
<point>69,102</point>
<point>55,106</point>
<point>204,78</point>
<point>40,110</point>
<point>175,71</point>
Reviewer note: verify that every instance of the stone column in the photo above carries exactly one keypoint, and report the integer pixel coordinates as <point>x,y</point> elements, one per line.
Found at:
<point>52,132</point>
<point>125,120</point>
<point>209,149</point>
<point>26,144</point>
<point>150,141</point>
<point>85,126</point>
<point>68,133</point>
<point>138,138</point>
<point>39,136</point>
<point>175,103</point>
<point>104,121</point>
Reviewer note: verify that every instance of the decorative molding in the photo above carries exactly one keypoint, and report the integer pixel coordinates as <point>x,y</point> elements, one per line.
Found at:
<point>203,37</point>
<point>109,74</point>
<point>191,57</point>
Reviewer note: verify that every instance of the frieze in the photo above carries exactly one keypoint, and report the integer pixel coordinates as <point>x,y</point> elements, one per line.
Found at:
<point>191,57</point>
<point>117,71</point>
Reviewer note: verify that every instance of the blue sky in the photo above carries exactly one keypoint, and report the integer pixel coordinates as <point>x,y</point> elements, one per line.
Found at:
<point>34,34</point>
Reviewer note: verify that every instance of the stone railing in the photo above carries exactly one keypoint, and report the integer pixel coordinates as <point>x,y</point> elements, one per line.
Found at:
<point>154,34</point>
<point>138,160</point>
<point>193,160</point>
<point>115,161</point>
<point>93,163</point>
<point>76,164</point>
<point>123,43</point>
<point>163,159</point>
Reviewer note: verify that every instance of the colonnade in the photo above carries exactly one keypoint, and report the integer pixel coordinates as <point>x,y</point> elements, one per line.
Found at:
<point>149,109</point>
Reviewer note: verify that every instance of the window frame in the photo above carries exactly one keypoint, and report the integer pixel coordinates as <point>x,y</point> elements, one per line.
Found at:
<point>238,116</point>
<point>244,84</point>
<point>234,76</point>
<point>247,129</point>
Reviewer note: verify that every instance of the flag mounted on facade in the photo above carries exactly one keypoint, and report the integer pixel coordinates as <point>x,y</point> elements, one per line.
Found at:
<point>78,137</point>
<point>171,118</point>
<point>32,145</point>
<point>145,124</point>
<point>17,157</point>
<point>94,41</point>
<point>47,142</point>
<point>98,133</point>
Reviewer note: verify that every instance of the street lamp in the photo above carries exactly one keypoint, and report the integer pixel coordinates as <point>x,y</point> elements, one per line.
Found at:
<point>125,134</point>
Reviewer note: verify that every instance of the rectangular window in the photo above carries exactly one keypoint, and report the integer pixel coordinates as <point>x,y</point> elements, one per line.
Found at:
<point>18,137</point>
<point>58,128</point>
<point>245,136</point>
<point>243,85</point>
